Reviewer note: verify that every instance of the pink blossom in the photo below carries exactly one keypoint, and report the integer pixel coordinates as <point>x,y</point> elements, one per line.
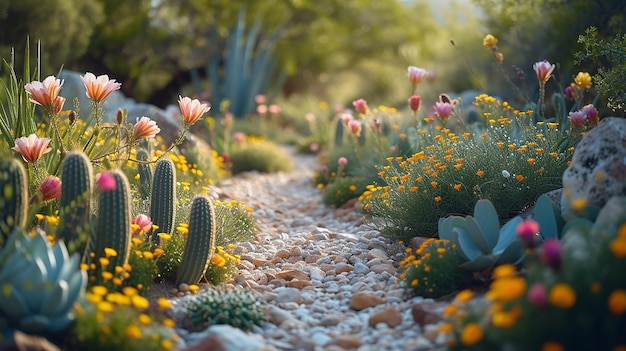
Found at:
<point>310,118</point>
<point>414,102</point>
<point>551,253</point>
<point>527,232</point>
<point>57,107</point>
<point>106,181</point>
<point>591,114</point>
<point>346,118</point>
<point>360,106</point>
<point>45,93</point>
<point>443,110</point>
<point>261,109</point>
<point>145,128</point>
<point>342,161</point>
<point>544,70</point>
<point>99,88</point>
<point>260,99</point>
<point>274,109</point>
<point>32,147</point>
<point>239,137</point>
<point>416,75</point>
<point>577,119</point>
<point>314,147</point>
<point>50,188</point>
<point>192,110</point>
<point>141,224</point>
<point>355,127</point>
<point>538,295</point>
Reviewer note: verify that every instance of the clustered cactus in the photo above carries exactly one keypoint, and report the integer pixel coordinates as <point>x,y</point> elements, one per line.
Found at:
<point>14,199</point>
<point>218,305</point>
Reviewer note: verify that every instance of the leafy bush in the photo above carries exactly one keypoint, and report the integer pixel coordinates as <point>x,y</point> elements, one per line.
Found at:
<point>259,155</point>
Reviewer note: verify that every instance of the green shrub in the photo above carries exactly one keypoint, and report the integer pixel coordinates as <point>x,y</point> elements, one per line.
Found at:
<point>341,190</point>
<point>259,155</point>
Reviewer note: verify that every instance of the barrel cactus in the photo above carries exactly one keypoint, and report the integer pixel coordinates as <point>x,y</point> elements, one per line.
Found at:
<point>75,201</point>
<point>163,198</point>
<point>200,241</point>
<point>39,283</point>
<point>13,197</point>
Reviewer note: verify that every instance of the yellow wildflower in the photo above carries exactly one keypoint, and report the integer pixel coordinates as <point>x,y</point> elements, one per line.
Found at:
<point>472,334</point>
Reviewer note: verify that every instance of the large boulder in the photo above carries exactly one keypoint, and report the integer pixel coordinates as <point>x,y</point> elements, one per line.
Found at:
<point>598,169</point>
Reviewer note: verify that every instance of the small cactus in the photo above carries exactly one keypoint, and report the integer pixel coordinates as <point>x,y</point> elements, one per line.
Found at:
<point>113,228</point>
<point>145,174</point>
<point>13,197</point>
<point>200,241</point>
<point>75,202</point>
<point>339,133</point>
<point>163,198</point>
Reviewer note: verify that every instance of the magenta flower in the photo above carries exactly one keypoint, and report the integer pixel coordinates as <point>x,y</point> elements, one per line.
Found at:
<point>145,128</point>
<point>414,102</point>
<point>106,181</point>
<point>192,110</point>
<point>32,147</point>
<point>360,106</point>
<point>141,224</point>
<point>50,188</point>
<point>577,119</point>
<point>355,127</point>
<point>100,87</point>
<point>45,93</point>
<point>591,114</point>
<point>538,295</point>
<point>551,254</point>
<point>443,110</point>
<point>342,161</point>
<point>527,232</point>
<point>416,75</point>
<point>544,70</point>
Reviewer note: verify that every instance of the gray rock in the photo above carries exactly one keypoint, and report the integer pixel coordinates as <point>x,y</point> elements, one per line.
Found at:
<point>286,295</point>
<point>229,338</point>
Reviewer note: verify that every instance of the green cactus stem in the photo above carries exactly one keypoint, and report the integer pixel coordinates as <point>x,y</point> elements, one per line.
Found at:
<point>75,201</point>
<point>163,198</point>
<point>200,241</point>
<point>13,197</point>
<point>145,174</point>
<point>113,229</point>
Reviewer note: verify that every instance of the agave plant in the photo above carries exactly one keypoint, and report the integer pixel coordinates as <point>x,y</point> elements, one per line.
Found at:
<point>39,283</point>
<point>482,243</point>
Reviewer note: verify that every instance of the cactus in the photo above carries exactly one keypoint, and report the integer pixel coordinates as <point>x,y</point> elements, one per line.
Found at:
<point>163,198</point>
<point>13,197</point>
<point>339,133</point>
<point>113,230</point>
<point>482,244</point>
<point>75,201</point>
<point>200,241</point>
<point>145,174</point>
<point>40,283</point>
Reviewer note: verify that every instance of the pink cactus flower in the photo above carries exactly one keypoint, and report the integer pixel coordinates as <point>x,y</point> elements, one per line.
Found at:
<point>443,110</point>
<point>192,110</point>
<point>591,114</point>
<point>544,70</point>
<point>100,87</point>
<point>145,128</point>
<point>346,118</point>
<point>274,109</point>
<point>50,188</point>
<point>577,119</point>
<point>342,161</point>
<point>538,295</point>
<point>58,105</point>
<point>32,147</point>
<point>527,232</point>
<point>261,109</point>
<point>355,127</point>
<point>551,254</point>
<point>414,102</point>
<point>416,75</point>
<point>239,137</point>
<point>314,147</point>
<point>45,93</point>
<point>141,224</point>
<point>260,99</point>
<point>106,181</point>
<point>360,106</point>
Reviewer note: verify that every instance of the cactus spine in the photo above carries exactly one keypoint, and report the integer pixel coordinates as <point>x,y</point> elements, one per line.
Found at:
<point>113,230</point>
<point>163,198</point>
<point>75,201</point>
<point>13,197</point>
<point>200,241</point>
<point>145,174</point>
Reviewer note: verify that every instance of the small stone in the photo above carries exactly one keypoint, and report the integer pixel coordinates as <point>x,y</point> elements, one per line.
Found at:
<point>330,321</point>
<point>360,268</point>
<point>183,287</point>
<point>282,253</point>
<point>348,342</point>
<point>376,253</point>
<point>292,274</point>
<point>311,258</point>
<point>298,284</point>
<point>426,313</point>
<point>383,267</point>
<point>362,300</point>
<point>341,268</point>
<point>287,294</point>
<point>278,315</point>
<point>296,251</point>
<point>390,316</point>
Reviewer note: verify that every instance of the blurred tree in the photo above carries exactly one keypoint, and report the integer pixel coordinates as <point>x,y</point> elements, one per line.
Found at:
<point>63,27</point>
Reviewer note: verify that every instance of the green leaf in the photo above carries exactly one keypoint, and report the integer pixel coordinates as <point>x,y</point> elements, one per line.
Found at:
<point>514,253</point>
<point>467,247</point>
<point>549,218</point>
<point>487,218</point>
<point>508,234</point>
<point>476,234</point>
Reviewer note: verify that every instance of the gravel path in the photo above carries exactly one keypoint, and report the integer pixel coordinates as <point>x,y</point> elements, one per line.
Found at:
<point>328,278</point>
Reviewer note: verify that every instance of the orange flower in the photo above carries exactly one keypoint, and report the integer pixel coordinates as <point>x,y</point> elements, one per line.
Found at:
<point>45,93</point>
<point>472,334</point>
<point>145,128</point>
<point>480,173</point>
<point>617,302</point>
<point>437,198</point>
<point>99,88</point>
<point>192,110</point>
<point>32,147</point>
<point>562,295</point>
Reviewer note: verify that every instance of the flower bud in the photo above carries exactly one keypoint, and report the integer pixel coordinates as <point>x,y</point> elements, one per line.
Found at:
<point>551,254</point>
<point>50,188</point>
<point>527,233</point>
<point>72,117</point>
<point>414,102</point>
<point>120,116</point>
<point>538,295</point>
<point>360,106</point>
<point>342,161</point>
